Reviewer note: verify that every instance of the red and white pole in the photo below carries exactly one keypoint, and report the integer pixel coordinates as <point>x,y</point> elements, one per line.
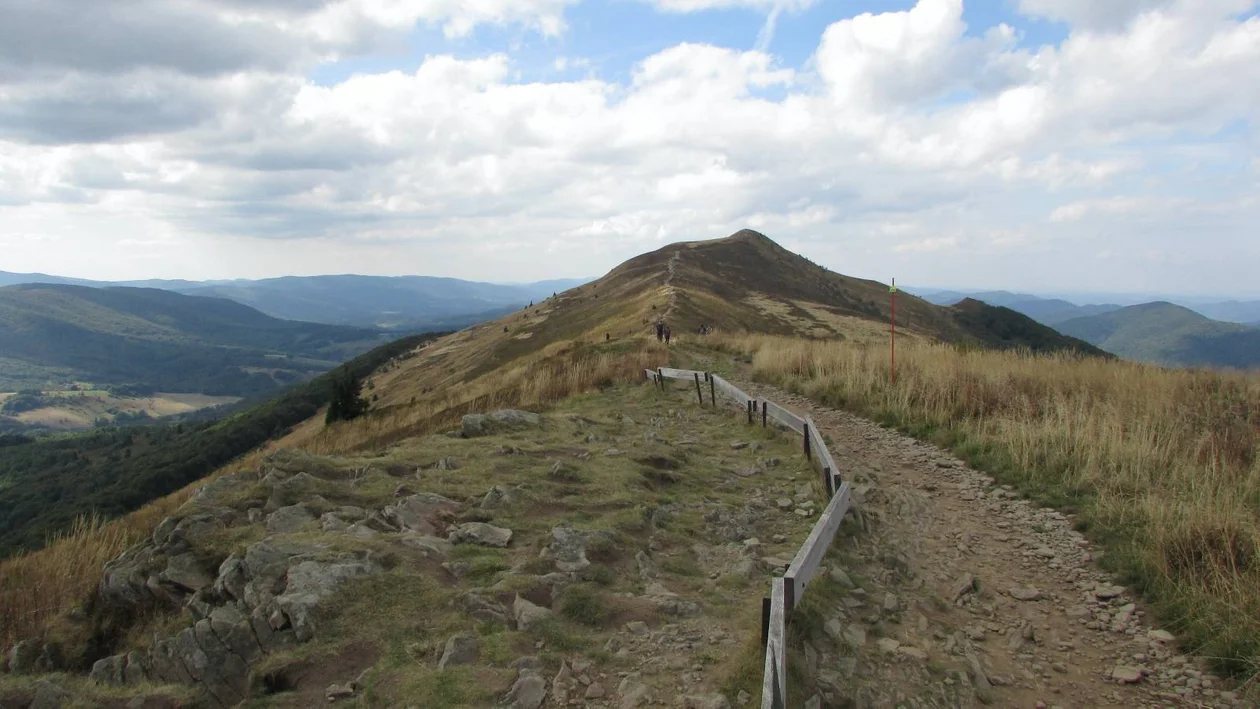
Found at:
<point>892,352</point>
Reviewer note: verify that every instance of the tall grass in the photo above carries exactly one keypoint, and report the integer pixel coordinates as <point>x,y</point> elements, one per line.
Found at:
<point>1163,464</point>
<point>557,372</point>
<point>36,586</point>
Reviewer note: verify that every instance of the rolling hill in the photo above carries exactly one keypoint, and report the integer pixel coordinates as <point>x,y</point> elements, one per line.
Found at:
<point>52,336</point>
<point>404,303</point>
<point>1167,334</point>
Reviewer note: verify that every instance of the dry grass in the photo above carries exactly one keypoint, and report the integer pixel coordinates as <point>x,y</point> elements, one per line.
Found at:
<point>1162,463</point>
<point>558,371</point>
<point>36,586</point>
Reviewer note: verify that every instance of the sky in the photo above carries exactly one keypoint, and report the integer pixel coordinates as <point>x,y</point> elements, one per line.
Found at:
<point>1030,145</point>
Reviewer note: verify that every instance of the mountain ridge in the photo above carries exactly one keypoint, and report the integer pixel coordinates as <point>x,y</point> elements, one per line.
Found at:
<point>57,334</point>
<point>1168,334</point>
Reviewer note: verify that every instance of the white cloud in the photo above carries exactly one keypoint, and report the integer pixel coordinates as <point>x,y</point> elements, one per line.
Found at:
<point>908,140</point>
<point>701,5</point>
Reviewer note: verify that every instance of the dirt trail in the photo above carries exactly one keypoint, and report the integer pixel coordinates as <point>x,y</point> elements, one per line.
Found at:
<point>1040,626</point>
<point>672,267</point>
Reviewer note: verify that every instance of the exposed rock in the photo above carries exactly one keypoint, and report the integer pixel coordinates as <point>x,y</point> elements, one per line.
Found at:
<point>186,571</point>
<point>568,547</point>
<point>839,576</point>
<point>109,670</point>
<point>1162,636</point>
<point>460,650</point>
<point>434,548</point>
<point>310,582</point>
<point>1024,594</point>
<point>1107,592</point>
<point>447,463</point>
<point>738,445</point>
<point>286,520</point>
<point>24,657</point>
<point>138,670</point>
<point>634,693</point>
<point>481,533</point>
<point>594,691</point>
<point>1126,674</point>
<point>338,691</point>
<point>638,627</point>
<point>528,692</point>
<point>964,585</point>
<point>527,614</point>
<point>424,512</point>
<point>496,498</point>
<point>474,425</point>
<point>482,608</point>
<point>49,696</point>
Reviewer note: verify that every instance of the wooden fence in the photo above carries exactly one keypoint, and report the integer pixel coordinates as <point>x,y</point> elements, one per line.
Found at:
<point>785,592</point>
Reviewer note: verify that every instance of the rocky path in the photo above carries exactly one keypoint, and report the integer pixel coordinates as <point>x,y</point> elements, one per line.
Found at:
<point>963,594</point>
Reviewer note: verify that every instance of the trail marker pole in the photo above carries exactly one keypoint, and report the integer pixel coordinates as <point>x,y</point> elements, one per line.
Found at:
<point>892,341</point>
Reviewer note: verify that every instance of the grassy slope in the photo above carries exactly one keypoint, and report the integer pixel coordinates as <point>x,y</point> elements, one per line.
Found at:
<point>163,339</point>
<point>1162,464</point>
<point>1167,334</point>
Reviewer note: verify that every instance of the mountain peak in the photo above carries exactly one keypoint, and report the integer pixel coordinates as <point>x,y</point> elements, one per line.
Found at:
<point>748,235</point>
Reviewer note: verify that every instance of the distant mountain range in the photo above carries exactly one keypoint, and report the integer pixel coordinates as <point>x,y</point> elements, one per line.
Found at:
<point>1052,311</point>
<point>53,335</point>
<point>1168,334</point>
<point>403,303</point>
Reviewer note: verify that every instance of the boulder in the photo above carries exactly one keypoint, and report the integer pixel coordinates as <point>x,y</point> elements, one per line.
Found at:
<point>481,533</point>
<point>49,696</point>
<point>286,520</point>
<point>230,581</point>
<point>310,582</point>
<point>482,608</point>
<point>568,547</point>
<point>109,670</point>
<point>528,692</point>
<point>460,650</point>
<point>138,669</point>
<point>527,614</point>
<point>187,573</point>
<point>496,498</point>
<point>24,657</point>
<point>423,512</point>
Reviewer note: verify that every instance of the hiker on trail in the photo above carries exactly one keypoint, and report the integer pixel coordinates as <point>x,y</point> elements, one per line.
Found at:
<point>607,337</point>
<point>660,331</point>
<point>667,334</point>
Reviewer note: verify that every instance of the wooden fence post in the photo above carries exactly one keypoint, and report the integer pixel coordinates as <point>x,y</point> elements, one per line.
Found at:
<point>827,483</point>
<point>765,622</point>
<point>712,392</point>
<point>748,406</point>
<point>660,378</point>
<point>763,414</point>
<point>789,599</point>
<point>807,455</point>
<point>699,394</point>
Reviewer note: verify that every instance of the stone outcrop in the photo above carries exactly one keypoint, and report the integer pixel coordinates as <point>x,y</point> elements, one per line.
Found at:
<point>474,425</point>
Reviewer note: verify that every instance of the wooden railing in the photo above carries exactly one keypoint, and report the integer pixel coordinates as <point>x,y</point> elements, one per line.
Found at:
<point>785,592</point>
